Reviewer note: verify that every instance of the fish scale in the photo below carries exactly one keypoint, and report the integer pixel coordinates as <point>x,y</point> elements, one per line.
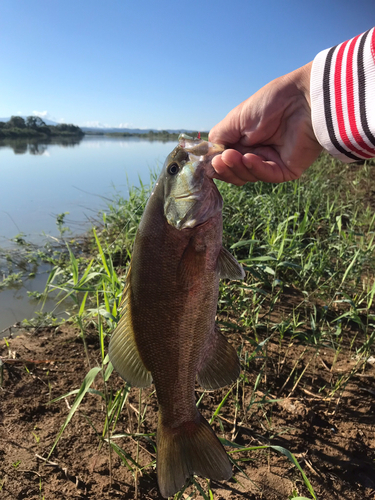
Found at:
<point>167,331</point>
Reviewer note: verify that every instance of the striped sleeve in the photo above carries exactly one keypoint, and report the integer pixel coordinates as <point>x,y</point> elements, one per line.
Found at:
<point>342,90</point>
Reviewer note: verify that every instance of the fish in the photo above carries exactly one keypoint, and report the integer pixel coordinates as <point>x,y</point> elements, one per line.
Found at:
<point>167,332</point>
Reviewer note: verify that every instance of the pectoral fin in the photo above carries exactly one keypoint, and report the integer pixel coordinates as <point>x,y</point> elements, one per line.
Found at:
<point>123,351</point>
<point>228,267</point>
<point>220,366</point>
<point>191,265</point>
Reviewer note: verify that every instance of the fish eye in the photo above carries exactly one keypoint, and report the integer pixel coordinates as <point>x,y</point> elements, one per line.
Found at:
<point>173,169</point>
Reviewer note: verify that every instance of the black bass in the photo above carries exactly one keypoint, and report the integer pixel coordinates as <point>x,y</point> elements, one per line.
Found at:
<point>167,333</point>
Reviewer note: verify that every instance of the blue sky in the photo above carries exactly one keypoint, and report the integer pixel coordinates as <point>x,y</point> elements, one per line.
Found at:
<point>158,64</point>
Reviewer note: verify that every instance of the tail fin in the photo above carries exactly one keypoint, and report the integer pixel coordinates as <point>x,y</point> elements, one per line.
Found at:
<point>192,448</point>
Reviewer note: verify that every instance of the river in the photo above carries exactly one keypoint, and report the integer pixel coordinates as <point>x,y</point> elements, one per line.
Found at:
<point>41,180</point>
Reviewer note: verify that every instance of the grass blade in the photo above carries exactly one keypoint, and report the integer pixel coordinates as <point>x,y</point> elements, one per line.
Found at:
<point>88,380</point>
<point>294,461</point>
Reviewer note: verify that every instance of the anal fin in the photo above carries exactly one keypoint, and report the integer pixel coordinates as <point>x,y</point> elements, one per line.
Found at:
<point>220,366</point>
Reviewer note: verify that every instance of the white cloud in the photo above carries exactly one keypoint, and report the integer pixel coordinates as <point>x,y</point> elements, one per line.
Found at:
<point>45,115</point>
<point>95,124</point>
<point>41,114</point>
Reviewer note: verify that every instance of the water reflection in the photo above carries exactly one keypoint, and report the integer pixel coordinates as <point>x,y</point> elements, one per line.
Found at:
<point>40,180</point>
<point>38,146</point>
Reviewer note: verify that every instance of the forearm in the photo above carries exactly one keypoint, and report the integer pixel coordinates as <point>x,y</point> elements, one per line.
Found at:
<point>343,98</point>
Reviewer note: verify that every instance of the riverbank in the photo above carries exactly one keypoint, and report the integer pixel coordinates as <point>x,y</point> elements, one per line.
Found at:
<point>302,323</point>
<point>152,135</point>
<point>331,437</point>
<point>34,127</point>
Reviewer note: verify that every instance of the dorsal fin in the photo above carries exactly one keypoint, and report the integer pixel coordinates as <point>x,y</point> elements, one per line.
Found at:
<point>123,351</point>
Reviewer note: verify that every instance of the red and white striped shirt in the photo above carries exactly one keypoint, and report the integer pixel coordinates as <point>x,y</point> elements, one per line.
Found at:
<point>343,98</point>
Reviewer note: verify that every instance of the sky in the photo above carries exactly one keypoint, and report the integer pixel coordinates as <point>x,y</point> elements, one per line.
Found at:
<point>158,64</point>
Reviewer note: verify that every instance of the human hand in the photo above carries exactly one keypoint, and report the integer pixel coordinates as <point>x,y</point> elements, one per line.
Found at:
<point>270,135</point>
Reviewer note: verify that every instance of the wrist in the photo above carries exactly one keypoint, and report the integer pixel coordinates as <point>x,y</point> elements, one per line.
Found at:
<point>302,77</point>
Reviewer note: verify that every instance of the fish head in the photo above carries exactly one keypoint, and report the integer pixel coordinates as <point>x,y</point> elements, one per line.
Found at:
<point>190,194</point>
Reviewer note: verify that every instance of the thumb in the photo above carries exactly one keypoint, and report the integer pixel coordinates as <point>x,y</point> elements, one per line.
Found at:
<point>228,130</point>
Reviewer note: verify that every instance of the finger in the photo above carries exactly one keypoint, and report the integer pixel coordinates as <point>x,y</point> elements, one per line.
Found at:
<point>225,173</point>
<point>270,170</point>
<point>229,168</point>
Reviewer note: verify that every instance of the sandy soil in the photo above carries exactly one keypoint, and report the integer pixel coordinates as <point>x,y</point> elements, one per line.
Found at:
<point>333,438</point>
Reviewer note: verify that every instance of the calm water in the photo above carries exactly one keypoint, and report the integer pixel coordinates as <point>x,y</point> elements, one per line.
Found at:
<point>39,181</point>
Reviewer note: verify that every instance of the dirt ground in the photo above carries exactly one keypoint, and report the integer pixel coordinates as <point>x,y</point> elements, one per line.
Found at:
<point>333,438</point>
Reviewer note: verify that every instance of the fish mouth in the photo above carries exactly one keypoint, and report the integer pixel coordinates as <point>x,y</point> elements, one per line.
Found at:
<point>199,147</point>
<point>191,196</point>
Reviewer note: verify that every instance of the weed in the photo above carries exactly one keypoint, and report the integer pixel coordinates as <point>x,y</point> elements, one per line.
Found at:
<point>37,438</point>
<point>308,250</point>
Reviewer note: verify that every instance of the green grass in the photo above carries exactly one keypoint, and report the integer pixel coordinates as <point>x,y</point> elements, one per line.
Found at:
<point>307,244</point>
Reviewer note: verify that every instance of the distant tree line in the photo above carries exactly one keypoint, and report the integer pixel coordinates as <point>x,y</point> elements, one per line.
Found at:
<point>157,135</point>
<point>34,126</point>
